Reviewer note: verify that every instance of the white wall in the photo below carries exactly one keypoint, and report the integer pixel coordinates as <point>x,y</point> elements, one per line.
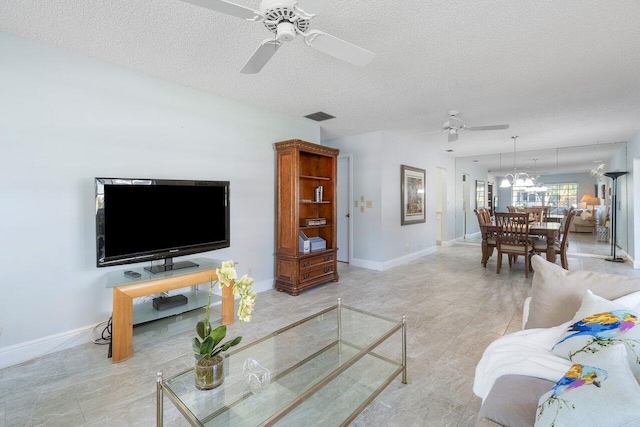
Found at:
<point>65,119</point>
<point>633,202</point>
<point>379,239</point>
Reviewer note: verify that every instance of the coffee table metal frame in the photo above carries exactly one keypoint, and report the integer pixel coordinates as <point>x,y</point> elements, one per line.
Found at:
<point>163,385</point>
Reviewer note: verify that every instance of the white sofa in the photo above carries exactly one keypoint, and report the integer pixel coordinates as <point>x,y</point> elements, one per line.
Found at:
<point>517,369</point>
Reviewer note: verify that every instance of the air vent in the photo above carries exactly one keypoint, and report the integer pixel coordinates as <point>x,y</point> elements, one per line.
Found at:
<point>319,116</point>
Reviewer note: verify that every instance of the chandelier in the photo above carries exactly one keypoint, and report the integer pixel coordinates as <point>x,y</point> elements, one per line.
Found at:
<point>538,186</point>
<point>598,171</point>
<point>516,179</point>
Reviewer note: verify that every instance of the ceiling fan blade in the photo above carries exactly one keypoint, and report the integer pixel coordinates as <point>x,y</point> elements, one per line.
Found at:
<point>452,137</point>
<point>338,48</point>
<point>494,127</point>
<point>261,56</point>
<point>312,7</point>
<point>227,8</point>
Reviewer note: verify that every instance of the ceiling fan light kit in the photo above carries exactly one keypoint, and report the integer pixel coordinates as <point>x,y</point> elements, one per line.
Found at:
<point>286,19</point>
<point>454,124</point>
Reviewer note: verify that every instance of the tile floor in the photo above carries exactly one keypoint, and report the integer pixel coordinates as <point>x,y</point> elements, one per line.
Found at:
<point>454,309</point>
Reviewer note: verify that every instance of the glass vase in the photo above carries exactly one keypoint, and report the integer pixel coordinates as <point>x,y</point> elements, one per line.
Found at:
<point>209,373</point>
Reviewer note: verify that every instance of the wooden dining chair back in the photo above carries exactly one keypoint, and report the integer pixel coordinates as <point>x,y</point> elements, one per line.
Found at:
<point>559,247</point>
<point>486,216</point>
<point>488,237</point>
<point>512,238</point>
<point>511,208</point>
<point>504,218</point>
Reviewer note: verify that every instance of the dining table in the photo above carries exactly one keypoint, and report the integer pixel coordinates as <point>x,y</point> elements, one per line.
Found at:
<point>549,230</point>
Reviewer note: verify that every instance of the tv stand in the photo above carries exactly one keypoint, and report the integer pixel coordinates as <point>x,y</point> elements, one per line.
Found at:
<point>125,289</point>
<point>169,265</point>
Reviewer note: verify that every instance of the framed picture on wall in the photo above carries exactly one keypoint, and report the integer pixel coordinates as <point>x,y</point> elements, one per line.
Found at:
<point>412,195</point>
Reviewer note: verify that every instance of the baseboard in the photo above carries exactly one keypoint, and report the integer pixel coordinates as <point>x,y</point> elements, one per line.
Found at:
<point>472,235</point>
<point>365,263</point>
<point>381,266</point>
<point>23,352</point>
<point>408,258</point>
<point>446,243</point>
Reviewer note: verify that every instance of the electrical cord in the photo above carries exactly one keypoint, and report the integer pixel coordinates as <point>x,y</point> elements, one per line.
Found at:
<point>106,333</point>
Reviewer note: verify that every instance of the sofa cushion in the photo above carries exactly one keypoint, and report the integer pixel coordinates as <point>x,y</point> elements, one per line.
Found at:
<point>598,324</point>
<point>598,390</point>
<point>556,294</point>
<point>512,401</point>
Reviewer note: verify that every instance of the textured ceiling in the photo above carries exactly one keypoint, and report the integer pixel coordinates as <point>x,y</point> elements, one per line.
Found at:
<point>561,73</point>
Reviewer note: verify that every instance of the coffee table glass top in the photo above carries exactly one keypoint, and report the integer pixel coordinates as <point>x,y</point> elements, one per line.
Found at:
<point>324,370</point>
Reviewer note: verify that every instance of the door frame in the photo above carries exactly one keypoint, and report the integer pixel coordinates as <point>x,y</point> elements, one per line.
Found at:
<point>441,180</point>
<point>351,219</point>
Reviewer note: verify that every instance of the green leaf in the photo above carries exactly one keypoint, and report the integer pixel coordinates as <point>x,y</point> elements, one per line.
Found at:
<point>207,346</point>
<point>196,345</point>
<point>201,330</point>
<point>226,346</point>
<point>218,334</point>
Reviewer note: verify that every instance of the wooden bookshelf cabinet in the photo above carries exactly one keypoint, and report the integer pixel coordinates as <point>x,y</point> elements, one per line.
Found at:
<point>301,168</point>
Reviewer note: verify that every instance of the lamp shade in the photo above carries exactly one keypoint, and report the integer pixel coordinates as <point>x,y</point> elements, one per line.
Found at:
<point>505,183</point>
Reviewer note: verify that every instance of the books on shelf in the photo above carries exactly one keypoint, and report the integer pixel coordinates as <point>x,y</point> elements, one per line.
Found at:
<point>310,222</point>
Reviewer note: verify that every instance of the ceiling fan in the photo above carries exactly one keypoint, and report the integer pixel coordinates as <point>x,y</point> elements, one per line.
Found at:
<point>286,19</point>
<point>454,124</point>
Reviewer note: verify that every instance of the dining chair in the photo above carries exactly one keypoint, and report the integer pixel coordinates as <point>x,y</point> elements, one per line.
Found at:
<point>559,247</point>
<point>511,208</point>
<point>512,239</point>
<point>484,218</point>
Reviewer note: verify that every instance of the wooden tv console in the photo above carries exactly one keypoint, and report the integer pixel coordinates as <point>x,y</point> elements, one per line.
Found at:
<point>126,289</point>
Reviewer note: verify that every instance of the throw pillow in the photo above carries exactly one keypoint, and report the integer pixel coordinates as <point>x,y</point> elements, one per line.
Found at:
<point>598,324</point>
<point>598,390</point>
<point>556,293</point>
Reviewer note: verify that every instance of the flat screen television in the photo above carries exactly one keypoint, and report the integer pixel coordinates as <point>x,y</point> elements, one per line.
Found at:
<point>141,220</point>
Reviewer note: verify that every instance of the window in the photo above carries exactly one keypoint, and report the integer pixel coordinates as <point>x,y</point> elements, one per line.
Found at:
<point>559,196</point>
<point>480,195</point>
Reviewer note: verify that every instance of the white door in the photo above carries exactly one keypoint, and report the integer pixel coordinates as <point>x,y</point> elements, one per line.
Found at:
<point>344,207</point>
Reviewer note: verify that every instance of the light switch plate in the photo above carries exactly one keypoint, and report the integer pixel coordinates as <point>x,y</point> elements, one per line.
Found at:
<point>362,209</point>
<point>369,204</point>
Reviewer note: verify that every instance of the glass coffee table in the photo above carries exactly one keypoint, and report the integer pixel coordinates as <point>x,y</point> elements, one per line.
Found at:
<point>324,371</point>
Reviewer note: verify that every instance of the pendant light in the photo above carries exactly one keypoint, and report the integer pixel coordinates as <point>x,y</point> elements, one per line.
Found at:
<point>521,179</point>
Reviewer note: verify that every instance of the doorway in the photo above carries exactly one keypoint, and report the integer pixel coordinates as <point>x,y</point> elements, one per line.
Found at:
<point>441,205</point>
<point>343,206</point>
<point>466,188</point>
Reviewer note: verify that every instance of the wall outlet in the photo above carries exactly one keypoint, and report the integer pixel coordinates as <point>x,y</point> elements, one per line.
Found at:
<point>406,247</point>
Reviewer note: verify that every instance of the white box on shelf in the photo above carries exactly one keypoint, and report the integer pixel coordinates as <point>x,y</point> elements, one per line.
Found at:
<point>304,244</point>
<point>317,244</point>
